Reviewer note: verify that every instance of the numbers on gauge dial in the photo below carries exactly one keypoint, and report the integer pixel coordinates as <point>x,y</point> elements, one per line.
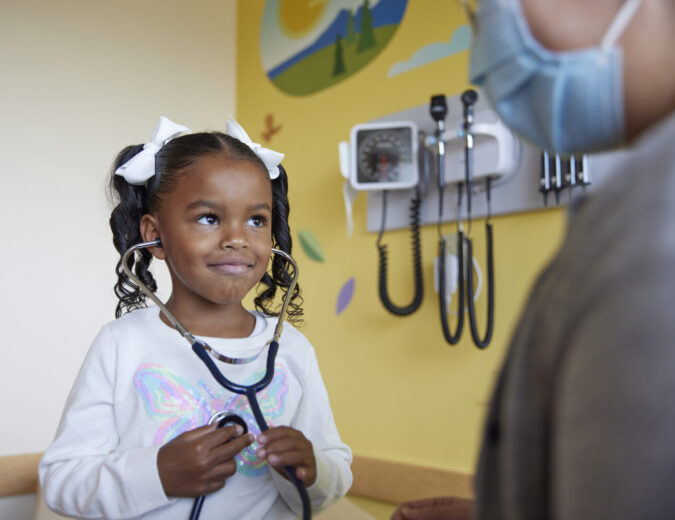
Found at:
<point>382,153</point>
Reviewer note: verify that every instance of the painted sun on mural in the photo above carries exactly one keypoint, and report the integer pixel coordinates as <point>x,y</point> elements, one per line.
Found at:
<point>309,45</point>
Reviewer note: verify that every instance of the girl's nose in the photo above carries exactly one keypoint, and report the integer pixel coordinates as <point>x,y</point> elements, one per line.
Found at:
<point>233,238</point>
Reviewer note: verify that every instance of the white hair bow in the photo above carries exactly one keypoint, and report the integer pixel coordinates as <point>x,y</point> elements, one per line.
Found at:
<point>141,166</point>
<point>270,158</point>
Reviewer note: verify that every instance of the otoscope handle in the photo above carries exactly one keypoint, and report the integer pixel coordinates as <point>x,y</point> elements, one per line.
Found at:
<point>438,108</point>
<point>469,98</point>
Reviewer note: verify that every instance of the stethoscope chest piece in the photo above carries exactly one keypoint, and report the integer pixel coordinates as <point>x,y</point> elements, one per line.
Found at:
<point>227,418</point>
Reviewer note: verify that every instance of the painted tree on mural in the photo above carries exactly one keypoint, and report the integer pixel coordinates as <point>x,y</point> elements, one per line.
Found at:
<point>299,68</point>
<point>351,32</point>
<point>339,64</point>
<point>367,35</point>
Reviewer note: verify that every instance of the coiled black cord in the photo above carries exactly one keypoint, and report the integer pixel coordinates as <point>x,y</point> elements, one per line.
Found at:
<point>415,204</point>
<point>482,343</point>
<point>451,338</point>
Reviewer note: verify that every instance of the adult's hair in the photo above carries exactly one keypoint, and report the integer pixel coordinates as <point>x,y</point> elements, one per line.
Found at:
<point>172,160</point>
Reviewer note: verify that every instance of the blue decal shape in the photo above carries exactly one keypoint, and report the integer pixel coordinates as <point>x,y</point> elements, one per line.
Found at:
<point>460,41</point>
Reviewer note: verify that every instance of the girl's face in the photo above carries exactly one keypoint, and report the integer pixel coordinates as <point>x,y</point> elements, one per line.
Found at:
<point>216,230</point>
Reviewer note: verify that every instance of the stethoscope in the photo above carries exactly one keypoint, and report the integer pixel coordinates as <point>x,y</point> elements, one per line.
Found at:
<point>205,353</point>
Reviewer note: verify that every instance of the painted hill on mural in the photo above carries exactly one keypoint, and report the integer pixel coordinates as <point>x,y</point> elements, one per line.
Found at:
<point>314,68</point>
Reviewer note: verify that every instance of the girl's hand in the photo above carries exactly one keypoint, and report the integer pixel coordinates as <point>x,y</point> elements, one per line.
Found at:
<point>439,508</point>
<point>199,461</point>
<point>284,446</point>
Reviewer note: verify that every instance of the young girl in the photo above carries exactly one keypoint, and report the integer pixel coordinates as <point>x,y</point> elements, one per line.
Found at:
<point>133,441</point>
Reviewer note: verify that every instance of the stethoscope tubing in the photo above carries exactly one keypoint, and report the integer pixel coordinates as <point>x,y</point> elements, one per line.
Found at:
<point>250,392</point>
<point>205,353</point>
<point>221,419</point>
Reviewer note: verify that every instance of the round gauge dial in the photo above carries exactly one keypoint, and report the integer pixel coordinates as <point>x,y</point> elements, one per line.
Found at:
<point>384,155</point>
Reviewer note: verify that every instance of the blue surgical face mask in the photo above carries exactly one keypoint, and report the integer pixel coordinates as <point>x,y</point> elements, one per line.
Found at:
<point>563,102</point>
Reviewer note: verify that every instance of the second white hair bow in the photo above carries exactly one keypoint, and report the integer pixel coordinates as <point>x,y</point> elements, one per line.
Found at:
<point>270,158</point>
<point>141,166</point>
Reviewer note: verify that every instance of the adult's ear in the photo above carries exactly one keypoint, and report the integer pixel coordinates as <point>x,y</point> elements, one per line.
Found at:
<point>150,232</point>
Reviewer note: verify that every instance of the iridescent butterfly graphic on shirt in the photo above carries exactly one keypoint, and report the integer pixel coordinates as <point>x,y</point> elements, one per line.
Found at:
<point>183,407</point>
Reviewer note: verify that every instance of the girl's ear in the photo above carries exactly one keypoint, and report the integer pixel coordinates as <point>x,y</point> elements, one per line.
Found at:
<point>150,232</point>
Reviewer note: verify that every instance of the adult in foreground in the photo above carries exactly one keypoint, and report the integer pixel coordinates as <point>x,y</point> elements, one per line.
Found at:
<point>582,419</point>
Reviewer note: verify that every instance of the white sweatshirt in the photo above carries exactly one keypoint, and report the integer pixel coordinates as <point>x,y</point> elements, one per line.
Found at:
<point>141,385</point>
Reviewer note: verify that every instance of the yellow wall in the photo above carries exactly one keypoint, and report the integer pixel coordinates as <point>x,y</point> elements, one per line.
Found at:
<point>397,390</point>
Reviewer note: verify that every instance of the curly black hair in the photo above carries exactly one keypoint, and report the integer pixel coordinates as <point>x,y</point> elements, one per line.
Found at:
<point>132,202</point>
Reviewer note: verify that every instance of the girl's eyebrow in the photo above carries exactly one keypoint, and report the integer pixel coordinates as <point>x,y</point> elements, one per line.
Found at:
<point>215,206</point>
<point>201,203</point>
<point>262,205</point>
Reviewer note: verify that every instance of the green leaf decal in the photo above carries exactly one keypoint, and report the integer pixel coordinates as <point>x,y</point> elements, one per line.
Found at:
<point>311,245</point>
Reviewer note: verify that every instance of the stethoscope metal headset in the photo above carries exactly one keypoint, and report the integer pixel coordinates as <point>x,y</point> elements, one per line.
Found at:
<point>205,353</point>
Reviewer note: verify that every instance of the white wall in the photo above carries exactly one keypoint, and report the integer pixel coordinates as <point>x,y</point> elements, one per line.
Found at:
<point>79,80</point>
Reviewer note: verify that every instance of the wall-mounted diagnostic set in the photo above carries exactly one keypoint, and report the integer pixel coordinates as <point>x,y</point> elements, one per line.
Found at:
<point>461,154</point>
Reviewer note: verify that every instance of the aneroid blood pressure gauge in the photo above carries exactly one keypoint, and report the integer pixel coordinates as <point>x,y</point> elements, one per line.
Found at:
<point>384,156</point>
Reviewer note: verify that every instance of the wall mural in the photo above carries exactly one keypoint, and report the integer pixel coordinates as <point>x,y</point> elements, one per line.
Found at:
<point>309,45</point>
<point>345,296</point>
<point>311,245</point>
<point>271,128</point>
<point>459,41</point>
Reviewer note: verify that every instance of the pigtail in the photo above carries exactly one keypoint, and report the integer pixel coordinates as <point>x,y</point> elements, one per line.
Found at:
<point>135,201</point>
<point>281,236</point>
<point>125,222</point>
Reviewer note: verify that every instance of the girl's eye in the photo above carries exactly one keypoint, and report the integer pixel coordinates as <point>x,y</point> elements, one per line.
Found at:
<point>258,220</point>
<point>209,220</point>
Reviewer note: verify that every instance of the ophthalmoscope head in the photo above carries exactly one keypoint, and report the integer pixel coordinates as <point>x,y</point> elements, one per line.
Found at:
<point>438,107</point>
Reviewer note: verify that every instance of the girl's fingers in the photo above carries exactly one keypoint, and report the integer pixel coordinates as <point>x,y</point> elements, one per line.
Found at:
<point>223,471</point>
<point>219,436</point>
<point>283,445</point>
<point>230,448</point>
<point>281,439</point>
<point>289,458</point>
<point>278,432</point>
<point>307,474</point>
<point>197,433</point>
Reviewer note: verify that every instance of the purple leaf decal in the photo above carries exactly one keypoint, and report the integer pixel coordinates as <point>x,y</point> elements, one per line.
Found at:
<point>345,296</point>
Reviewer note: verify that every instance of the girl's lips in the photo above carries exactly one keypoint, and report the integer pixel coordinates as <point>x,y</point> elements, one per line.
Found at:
<point>232,268</point>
